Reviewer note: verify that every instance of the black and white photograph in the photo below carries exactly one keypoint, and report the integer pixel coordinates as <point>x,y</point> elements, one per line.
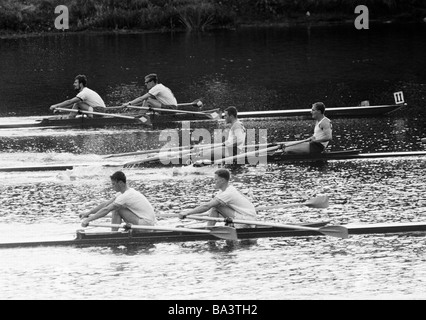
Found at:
<point>210,156</point>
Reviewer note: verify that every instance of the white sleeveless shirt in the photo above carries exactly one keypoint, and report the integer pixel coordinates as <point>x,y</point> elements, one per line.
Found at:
<point>320,134</point>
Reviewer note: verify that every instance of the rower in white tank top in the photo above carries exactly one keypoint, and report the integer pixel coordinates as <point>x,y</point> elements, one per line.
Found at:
<point>321,137</point>
<point>323,134</point>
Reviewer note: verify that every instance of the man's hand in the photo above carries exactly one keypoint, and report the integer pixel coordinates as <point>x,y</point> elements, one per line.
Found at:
<point>182,215</point>
<point>84,215</point>
<point>85,223</point>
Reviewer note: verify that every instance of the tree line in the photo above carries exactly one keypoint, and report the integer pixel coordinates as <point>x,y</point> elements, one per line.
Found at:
<point>39,15</point>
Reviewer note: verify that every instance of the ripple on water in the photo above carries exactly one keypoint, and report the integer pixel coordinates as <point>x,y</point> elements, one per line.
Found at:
<point>313,267</point>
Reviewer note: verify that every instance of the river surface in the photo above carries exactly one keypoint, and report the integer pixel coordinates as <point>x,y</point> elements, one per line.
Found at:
<point>253,69</point>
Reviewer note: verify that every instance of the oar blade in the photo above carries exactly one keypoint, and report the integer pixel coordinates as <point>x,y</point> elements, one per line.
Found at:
<point>318,202</point>
<point>214,115</point>
<point>226,233</point>
<point>335,231</point>
<point>144,119</point>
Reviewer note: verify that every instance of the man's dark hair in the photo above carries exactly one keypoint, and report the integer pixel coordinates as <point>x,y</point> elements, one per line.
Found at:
<point>319,106</point>
<point>119,176</point>
<point>223,173</point>
<point>82,79</point>
<point>152,77</point>
<point>232,111</point>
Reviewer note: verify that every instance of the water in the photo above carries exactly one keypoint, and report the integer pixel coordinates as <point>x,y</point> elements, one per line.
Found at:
<point>362,267</point>
<point>254,69</point>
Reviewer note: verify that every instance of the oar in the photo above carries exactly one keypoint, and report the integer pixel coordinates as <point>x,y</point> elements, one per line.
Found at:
<point>211,115</point>
<point>226,233</point>
<point>196,103</point>
<point>136,153</point>
<point>179,154</point>
<point>160,156</point>
<point>140,118</point>
<point>244,155</point>
<point>317,202</point>
<point>277,146</point>
<point>199,147</point>
<point>333,231</point>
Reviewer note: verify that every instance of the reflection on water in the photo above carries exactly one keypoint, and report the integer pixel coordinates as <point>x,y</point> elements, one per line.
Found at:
<point>368,134</point>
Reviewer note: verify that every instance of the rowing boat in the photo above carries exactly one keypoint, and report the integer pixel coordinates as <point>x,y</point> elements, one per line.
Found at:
<point>157,118</point>
<point>130,238</point>
<point>273,158</point>
<point>79,122</point>
<point>147,120</point>
<point>335,112</point>
<point>363,110</point>
<point>280,156</point>
<point>354,154</point>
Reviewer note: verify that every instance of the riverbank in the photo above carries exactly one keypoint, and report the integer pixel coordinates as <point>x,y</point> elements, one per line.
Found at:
<point>37,17</point>
<point>342,21</point>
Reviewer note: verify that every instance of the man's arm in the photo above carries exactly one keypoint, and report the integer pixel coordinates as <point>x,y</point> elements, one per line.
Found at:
<point>137,101</point>
<point>200,209</point>
<point>65,103</point>
<point>100,211</point>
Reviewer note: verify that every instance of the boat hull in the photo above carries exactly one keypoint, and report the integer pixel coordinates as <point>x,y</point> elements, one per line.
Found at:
<point>280,156</point>
<point>130,238</point>
<point>80,122</point>
<point>335,112</point>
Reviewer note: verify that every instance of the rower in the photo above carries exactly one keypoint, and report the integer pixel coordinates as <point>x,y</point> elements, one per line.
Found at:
<point>322,134</point>
<point>236,138</point>
<point>127,205</point>
<point>158,96</point>
<point>228,202</point>
<point>86,98</point>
